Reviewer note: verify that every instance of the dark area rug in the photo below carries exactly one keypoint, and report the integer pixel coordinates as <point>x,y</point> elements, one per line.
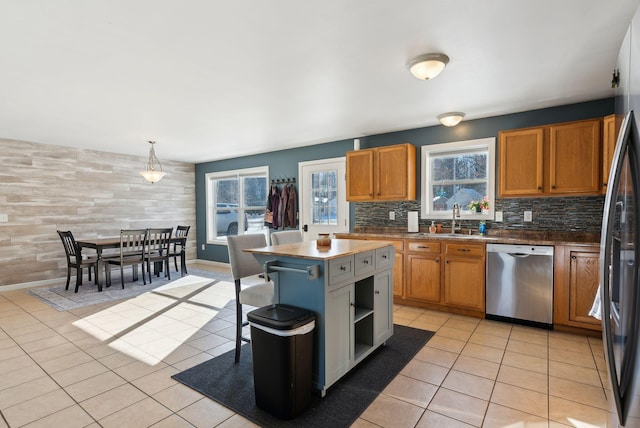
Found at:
<point>232,384</point>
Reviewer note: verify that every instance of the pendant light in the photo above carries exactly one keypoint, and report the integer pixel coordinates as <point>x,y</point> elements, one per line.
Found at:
<point>154,173</point>
<point>428,66</point>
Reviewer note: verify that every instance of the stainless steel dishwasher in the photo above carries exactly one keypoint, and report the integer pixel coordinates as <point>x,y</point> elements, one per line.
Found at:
<point>519,283</point>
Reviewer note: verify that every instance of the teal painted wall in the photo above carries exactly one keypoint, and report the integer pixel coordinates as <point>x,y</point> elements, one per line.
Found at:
<point>284,163</point>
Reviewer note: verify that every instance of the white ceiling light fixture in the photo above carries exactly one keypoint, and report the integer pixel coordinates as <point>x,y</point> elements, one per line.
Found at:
<point>451,119</point>
<point>428,66</point>
<point>154,173</point>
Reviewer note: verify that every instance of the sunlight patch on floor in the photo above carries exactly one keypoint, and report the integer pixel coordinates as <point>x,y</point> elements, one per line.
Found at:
<point>154,324</point>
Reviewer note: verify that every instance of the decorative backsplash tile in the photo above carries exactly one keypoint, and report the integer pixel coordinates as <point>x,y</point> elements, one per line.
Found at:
<point>580,214</point>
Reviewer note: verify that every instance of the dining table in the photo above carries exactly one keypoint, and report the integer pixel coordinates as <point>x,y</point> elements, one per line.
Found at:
<point>101,244</point>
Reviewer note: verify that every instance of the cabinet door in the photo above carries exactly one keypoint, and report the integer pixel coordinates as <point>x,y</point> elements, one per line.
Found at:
<point>382,307</point>
<point>521,162</point>
<point>584,276</point>
<point>398,275</point>
<point>395,178</point>
<point>423,277</point>
<point>464,282</point>
<point>609,136</point>
<point>339,332</point>
<point>360,167</point>
<point>574,158</point>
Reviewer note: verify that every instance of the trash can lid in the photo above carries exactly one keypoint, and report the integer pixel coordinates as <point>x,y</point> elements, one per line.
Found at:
<point>281,317</point>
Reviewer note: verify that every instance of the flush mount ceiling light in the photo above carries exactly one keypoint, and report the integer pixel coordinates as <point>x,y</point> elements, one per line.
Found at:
<point>428,66</point>
<point>154,173</point>
<point>451,119</point>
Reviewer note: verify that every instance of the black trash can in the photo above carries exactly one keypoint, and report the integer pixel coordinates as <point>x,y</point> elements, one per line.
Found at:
<point>282,348</point>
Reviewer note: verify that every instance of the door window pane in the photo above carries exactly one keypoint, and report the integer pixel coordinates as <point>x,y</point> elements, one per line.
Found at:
<point>324,197</point>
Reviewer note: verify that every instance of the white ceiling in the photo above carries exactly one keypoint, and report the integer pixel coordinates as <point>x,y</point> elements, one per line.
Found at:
<point>210,79</point>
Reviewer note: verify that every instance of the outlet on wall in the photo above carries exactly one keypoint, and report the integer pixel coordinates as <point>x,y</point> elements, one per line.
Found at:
<point>392,215</point>
<point>527,216</point>
<point>202,247</point>
<point>499,216</point>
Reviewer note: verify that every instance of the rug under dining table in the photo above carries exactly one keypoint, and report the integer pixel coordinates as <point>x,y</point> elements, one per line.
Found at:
<point>62,300</point>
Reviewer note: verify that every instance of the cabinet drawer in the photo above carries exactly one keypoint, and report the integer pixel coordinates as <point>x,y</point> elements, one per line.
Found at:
<point>467,250</point>
<point>341,269</point>
<point>424,247</point>
<point>384,258</point>
<point>364,263</point>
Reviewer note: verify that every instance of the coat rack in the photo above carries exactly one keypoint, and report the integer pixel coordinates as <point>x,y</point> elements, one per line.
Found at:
<point>291,180</point>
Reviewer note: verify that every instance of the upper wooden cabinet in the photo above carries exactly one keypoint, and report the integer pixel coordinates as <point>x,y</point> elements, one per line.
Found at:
<point>610,128</point>
<point>520,158</point>
<point>560,159</point>
<point>382,174</point>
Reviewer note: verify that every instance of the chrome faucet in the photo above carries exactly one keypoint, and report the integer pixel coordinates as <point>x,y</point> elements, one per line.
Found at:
<point>455,212</point>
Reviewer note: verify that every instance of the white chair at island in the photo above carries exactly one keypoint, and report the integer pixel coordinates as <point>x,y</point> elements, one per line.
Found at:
<point>286,237</point>
<point>255,291</point>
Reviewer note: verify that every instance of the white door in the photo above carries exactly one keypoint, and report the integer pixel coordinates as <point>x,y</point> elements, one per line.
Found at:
<point>323,197</point>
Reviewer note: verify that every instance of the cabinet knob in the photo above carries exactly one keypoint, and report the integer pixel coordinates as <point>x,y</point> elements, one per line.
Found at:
<point>365,261</point>
<point>553,187</point>
<point>464,250</point>
<point>437,260</point>
<point>573,257</point>
<point>425,247</point>
<point>352,304</point>
<point>604,184</point>
<point>343,268</point>
<point>384,256</point>
<point>377,292</point>
<point>539,187</point>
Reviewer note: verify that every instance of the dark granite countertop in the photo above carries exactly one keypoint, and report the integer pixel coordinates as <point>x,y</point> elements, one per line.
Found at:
<point>541,237</point>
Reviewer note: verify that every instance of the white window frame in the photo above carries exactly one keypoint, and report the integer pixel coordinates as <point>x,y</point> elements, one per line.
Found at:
<point>210,179</point>
<point>429,151</point>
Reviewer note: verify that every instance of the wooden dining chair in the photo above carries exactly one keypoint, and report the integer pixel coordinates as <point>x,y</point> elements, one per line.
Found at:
<point>157,251</point>
<point>178,248</point>
<point>286,237</point>
<point>255,291</point>
<point>132,245</point>
<point>76,260</point>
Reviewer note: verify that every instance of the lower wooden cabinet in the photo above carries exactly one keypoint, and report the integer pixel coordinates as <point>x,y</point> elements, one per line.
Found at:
<point>576,279</point>
<point>422,271</point>
<point>447,273</point>
<point>464,282</point>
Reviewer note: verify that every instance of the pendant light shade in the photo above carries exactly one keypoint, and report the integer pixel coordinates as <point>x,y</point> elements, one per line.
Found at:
<point>154,173</point>
<point>451,119</point>
<point>428,66</point>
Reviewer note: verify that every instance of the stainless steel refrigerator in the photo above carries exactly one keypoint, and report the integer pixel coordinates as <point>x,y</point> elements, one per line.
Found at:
<point>619,277</point>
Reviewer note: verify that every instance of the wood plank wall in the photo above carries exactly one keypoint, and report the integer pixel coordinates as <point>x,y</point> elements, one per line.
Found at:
<point>45,188</point>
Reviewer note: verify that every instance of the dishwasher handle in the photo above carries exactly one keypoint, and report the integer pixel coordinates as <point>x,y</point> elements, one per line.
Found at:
<point>520,255</point>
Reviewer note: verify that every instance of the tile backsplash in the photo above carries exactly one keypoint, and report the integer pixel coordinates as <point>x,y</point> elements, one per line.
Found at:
<point>583,214</point>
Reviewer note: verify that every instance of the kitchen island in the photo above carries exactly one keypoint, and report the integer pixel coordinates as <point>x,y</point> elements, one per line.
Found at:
<point>349,287</point>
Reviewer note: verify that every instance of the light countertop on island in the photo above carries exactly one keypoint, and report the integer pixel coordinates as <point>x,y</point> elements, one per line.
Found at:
<point>309,250</point>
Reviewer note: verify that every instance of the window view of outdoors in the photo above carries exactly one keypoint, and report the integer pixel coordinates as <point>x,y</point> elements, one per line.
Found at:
<point>240,205</point>
<point>324,193</point>
<point>458,177</point>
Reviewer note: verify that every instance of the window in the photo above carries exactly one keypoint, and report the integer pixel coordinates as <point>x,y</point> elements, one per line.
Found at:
<point>236,203</point>
<point>459,172</point>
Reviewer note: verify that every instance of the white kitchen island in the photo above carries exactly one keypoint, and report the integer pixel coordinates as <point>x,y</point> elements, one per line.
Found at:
<point>349,287</point>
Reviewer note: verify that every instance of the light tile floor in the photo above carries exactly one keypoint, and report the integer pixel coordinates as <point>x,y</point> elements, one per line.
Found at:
<point>110,365</point>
